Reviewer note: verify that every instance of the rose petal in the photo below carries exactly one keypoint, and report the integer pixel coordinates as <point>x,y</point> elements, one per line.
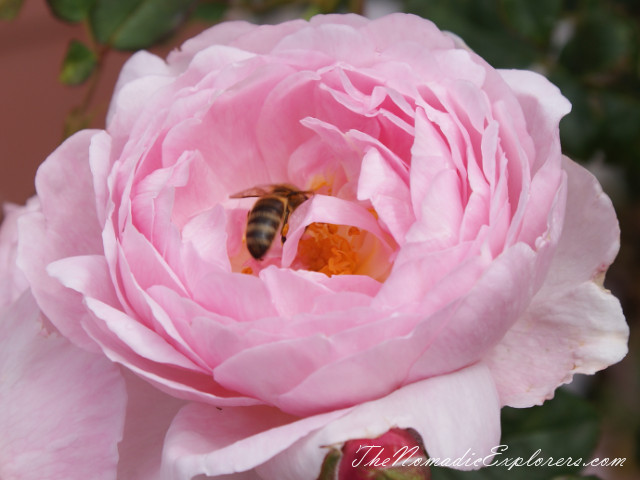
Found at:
<point>453,413</point>
<point>205,440</point>
<point>394,30</point>
<point>149,415</point>
<point>341,42</point>
<point>481,317</point>
<point>543,106</point>
<point>439,213</point>
<point>173,381</point>
<point>12,281</point>
<point>62,409</point>
<point>141,65</point>
<point>579,331</point>
<point>388,194</point>
<point>572,325</point>
<point>291,293</point>
<point>63,238</point>
<point>202,440</point>
<point>590,236</point>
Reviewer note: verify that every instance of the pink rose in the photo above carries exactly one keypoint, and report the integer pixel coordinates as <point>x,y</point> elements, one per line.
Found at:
<point>12,281</point>
<point>448,260</point>
<point>61,409</point>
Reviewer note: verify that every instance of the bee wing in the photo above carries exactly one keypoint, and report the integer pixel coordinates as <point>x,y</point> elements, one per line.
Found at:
<point>258,191</point>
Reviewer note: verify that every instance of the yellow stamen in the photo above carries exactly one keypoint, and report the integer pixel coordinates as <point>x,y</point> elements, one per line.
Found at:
<point>319,182</point>
<point>323,249</point>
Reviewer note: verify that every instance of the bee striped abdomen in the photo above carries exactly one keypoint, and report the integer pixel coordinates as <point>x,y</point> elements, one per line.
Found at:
<point>262,225</point>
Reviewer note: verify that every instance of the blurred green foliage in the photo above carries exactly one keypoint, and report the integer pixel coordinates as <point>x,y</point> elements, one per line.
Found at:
<point>78,64</point>
<point>9,9</point>
<point>589,48</point>
<point>136,24</point>
<point>125,24</point>
<point>71,10</point>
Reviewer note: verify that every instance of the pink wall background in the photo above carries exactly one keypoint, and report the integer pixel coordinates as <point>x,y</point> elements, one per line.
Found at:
<point>33,104</point>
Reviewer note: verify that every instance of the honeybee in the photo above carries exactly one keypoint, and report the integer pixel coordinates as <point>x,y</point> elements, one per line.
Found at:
<point>272,209</point>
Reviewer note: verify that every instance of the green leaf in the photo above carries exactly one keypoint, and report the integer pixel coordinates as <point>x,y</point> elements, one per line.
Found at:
<point>602,41</point>
<point>76,120</point>
<point>210,12</point>
<point>619,134</point>
<point>71,10</point>
<point>9,9</point>
<point>311,11</point>
<point>78,64</point>
<point>479,23</point>
<point>136,24</point>
<point>564,427</point>
<point>532,20</point>
<point>579,130</point>
<point>403,473</point>
<point>577,477</point>
<point>330,464</point>
<point>622,123</point>
<point>326,6</point>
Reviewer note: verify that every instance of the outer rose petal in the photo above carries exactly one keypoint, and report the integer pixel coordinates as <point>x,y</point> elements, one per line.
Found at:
<point>570,327</point>
<point>61,409</point>
<point>205,440</point>
<point>590,238</point>
<point>452,413</point>
<point>543,106</point>
<point>64,238</point>
<point>149,414</point>
<point>141,65</point>
<point>12,281</point>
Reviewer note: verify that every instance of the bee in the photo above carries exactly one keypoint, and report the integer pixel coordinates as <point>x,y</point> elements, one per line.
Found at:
<point>271,210</point>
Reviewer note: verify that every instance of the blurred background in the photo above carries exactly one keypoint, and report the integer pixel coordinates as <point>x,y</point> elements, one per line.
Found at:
<point>59,60</point>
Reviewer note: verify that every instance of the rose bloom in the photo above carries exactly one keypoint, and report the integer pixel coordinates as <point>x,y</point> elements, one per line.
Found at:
<point>448,259</point>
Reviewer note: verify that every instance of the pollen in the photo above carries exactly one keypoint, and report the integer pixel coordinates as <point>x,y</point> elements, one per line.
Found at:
<point>320,184</point>
<point>330,249</point>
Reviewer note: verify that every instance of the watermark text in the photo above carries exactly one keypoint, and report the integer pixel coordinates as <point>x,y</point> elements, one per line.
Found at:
<point>377,456</point>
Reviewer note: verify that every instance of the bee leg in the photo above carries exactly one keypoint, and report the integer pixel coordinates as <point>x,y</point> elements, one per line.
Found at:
<point>285,226</point>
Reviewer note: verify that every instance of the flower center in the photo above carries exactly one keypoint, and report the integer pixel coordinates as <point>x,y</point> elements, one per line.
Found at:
<point>330,249</point>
